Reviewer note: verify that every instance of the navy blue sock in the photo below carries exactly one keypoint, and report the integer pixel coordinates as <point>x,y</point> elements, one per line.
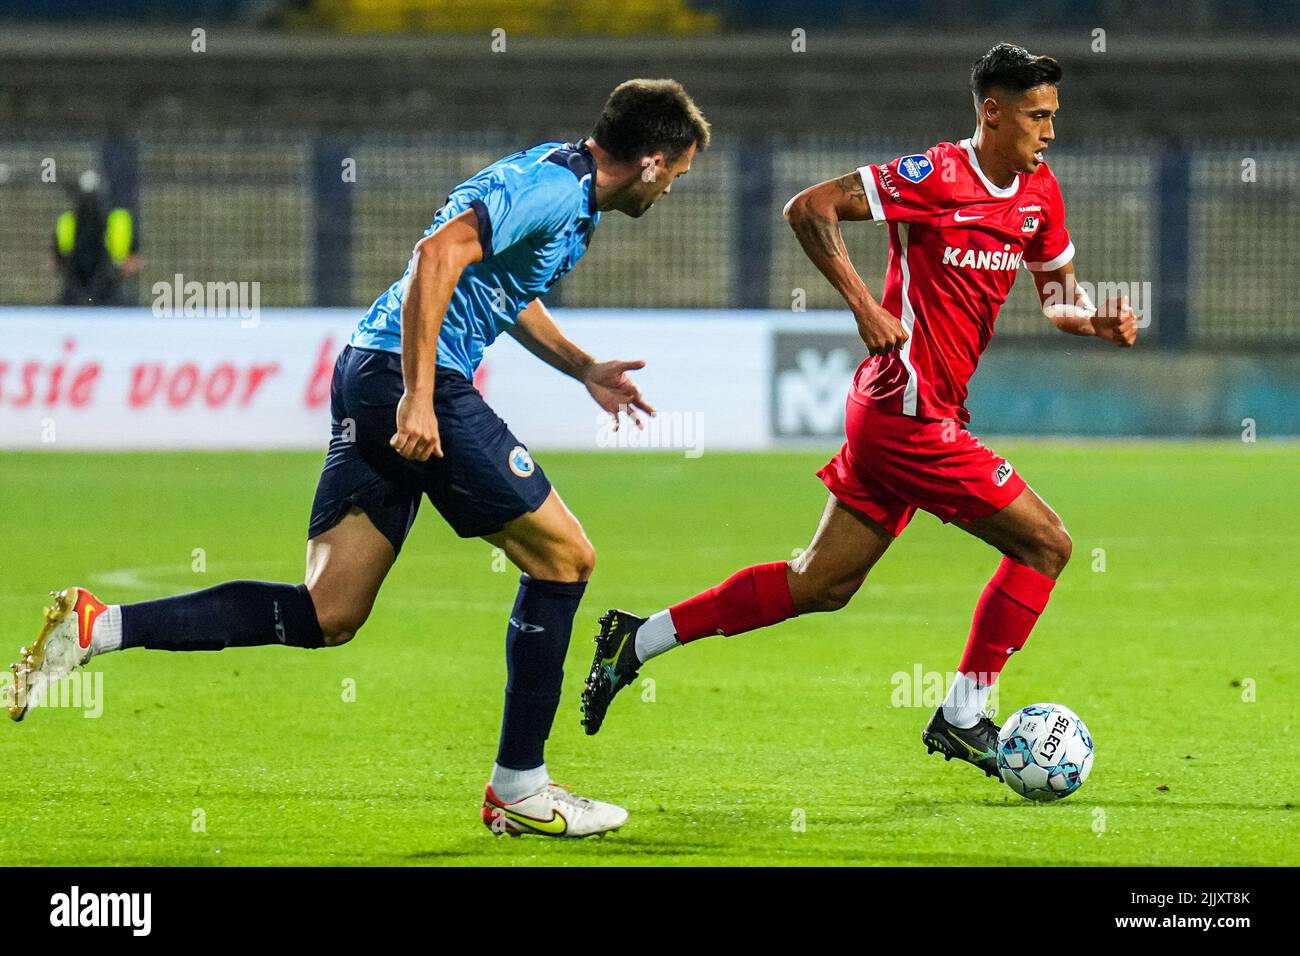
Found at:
<point>234,614</point>
<point>536,642</point>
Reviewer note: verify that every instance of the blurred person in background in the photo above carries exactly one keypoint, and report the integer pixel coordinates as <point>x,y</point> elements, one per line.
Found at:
<point>95,247</point>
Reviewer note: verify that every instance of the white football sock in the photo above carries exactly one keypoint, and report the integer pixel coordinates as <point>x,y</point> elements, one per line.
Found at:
<point>966,701</point>
<point>512,785</point>
<point>655,636</point>
<point>106,634</point>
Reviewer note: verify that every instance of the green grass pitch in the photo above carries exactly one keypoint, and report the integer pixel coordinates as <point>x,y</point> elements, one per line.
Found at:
<point>777,747</point>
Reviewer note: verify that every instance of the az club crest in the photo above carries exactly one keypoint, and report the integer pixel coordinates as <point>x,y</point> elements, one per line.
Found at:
<point>1031,223</point>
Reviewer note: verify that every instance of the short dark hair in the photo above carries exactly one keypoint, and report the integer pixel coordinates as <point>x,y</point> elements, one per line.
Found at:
<point>1012,68</point>
<point>649,116</point>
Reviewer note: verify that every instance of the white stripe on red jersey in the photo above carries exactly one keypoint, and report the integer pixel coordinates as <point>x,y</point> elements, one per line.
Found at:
<point>956,241</point>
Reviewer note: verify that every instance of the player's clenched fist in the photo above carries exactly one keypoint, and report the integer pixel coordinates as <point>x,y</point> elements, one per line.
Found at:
<point>417,429</point>
<point>881,331</point>
<point>1115,322</point>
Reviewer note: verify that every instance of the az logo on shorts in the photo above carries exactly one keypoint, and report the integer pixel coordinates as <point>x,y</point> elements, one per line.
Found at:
<point>1002,474</point>
<point>521,463</point>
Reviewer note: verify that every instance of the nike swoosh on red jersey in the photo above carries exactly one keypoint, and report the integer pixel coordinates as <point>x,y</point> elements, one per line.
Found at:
<point>958,217</point>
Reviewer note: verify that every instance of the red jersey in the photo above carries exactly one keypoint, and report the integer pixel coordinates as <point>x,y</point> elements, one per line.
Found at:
<point>956,242</point>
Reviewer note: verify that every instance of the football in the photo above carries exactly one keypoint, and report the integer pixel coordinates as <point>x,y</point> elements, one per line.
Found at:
<point>1044,752</point>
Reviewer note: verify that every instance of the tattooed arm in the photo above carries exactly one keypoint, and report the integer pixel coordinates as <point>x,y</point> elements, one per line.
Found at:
<point>815,216</point>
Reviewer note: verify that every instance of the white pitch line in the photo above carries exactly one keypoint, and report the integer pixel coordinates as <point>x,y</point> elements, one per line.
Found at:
<point>169,576</point>
<point>136,579</point>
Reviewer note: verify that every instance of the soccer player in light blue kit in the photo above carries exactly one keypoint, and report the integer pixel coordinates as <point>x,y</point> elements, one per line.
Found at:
<point>408,422</point>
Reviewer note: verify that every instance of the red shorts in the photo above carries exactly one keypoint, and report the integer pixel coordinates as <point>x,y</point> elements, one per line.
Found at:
<point>893,464</point>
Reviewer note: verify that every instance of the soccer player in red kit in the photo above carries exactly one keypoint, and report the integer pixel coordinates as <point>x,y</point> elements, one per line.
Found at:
<point>962,218</point>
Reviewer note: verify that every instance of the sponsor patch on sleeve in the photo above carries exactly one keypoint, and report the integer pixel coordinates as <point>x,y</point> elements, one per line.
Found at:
<point>915,168</point>
<point>885,181</point>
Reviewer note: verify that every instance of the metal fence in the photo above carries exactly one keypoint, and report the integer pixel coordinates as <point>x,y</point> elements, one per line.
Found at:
<point>1213,228</point>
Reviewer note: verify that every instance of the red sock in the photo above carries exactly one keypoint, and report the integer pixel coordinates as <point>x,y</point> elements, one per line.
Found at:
<point>749,599</point>
<point>1006,613</point>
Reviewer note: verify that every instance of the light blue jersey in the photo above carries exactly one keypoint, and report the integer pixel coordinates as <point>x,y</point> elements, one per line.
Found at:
<point>536,213</point>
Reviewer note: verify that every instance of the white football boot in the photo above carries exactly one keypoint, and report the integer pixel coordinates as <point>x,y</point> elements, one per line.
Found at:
<point>552,811</point>
<point>62,646</point>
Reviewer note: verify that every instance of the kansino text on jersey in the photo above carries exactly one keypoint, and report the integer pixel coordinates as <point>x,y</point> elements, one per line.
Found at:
<point>1002,258</point>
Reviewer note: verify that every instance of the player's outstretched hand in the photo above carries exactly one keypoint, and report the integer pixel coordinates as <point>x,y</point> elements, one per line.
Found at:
<point>613,391</point>
<point>881,332</point>
<point>417,429</point>
<point>1115,322</point>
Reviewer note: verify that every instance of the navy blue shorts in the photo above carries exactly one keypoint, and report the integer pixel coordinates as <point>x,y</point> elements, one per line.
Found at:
<point>485,478</point>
